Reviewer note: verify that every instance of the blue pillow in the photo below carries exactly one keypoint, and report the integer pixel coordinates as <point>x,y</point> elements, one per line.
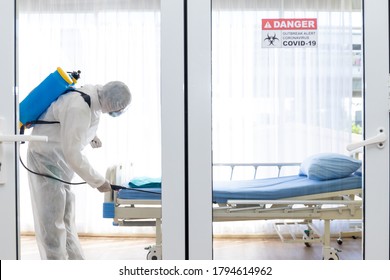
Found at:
<point>145,182</point>
<point>328,166</point>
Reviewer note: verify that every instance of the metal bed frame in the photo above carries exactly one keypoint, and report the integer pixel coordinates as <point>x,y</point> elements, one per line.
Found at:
<point>295,212</point>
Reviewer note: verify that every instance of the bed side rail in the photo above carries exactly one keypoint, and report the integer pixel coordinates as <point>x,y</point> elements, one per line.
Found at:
<point>255,166</point>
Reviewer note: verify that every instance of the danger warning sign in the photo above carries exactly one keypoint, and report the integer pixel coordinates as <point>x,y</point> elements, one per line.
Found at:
<point>289,33</point>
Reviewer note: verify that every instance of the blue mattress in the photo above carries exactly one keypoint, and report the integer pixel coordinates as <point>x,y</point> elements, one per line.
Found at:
<point>280,188</point>
<point>259,189</point>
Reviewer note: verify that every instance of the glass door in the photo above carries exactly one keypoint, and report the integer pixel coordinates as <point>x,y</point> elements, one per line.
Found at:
<point>287,95</point>
<point>106,41</point>
<point>314,67</point>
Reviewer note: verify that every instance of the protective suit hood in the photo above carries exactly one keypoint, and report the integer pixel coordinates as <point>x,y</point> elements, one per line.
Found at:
<point>114,97</point>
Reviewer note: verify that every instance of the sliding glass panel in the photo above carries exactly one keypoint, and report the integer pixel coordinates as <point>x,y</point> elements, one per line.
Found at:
<point>107,41</point>
<point>287,101</point>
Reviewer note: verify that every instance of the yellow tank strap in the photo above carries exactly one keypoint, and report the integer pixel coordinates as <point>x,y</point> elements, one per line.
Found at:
<point>64,75</point>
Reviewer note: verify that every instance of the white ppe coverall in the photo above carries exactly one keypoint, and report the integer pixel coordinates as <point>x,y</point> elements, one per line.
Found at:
<point>53,202</point>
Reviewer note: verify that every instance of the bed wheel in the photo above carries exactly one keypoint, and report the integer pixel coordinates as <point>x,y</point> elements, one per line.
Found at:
<point>308,235</point>
<point>330,254</point>
<point>339,241</point>
<point>152,256</point>
<point>154,253</point>
<point>335,257</point>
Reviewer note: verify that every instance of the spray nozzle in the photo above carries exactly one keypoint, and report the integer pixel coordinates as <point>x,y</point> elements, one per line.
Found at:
<point>75,75</point>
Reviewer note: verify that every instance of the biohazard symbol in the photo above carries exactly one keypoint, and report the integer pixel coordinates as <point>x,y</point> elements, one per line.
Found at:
<point>271,39</point>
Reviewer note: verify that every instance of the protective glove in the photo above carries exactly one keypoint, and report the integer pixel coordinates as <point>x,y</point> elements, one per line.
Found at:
<point>96,142</point>
<point>106,187</point>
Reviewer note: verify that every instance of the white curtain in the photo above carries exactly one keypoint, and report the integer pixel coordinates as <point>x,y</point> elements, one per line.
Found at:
<point>280,104</point>
<point>107,40</point>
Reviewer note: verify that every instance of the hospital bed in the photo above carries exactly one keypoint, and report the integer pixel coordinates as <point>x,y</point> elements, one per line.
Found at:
<point>291,201</point>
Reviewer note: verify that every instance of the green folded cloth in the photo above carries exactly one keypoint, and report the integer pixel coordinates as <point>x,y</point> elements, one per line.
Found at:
<point>145,182</point>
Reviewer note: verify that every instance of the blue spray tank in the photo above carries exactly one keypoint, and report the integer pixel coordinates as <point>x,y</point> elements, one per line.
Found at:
<point>40,98</point>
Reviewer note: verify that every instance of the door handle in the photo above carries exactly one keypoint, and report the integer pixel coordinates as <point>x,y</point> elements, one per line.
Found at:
<point>378,139</point>
<point>12,139</point>
<point>19,138</point>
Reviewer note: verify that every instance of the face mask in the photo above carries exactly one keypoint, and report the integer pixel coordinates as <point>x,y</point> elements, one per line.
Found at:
<point>116,113</point>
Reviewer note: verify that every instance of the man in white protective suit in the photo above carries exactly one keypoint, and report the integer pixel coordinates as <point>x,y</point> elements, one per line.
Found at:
<point>53,202</point>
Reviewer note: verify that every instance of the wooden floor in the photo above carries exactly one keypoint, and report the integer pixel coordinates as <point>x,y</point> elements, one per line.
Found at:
<point>119,248</point>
